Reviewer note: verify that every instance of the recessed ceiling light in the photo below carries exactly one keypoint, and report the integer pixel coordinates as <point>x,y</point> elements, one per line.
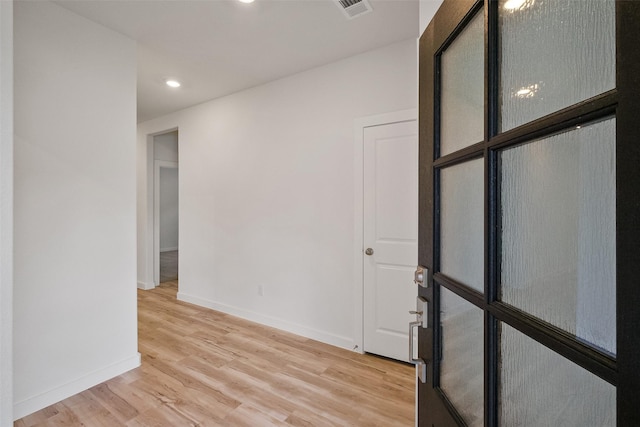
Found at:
<point>173,83</point>
<point>246,1</point>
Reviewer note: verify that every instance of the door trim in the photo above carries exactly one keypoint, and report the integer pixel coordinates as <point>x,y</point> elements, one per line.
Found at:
<point>6,214</point>
<point>145,221</point>
<point>358,219</point>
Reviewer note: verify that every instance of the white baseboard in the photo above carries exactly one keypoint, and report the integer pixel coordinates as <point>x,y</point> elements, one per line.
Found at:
<point>35,403</point>
<point>274,322</point>
<point>168,249</point>
<point>145,286</point>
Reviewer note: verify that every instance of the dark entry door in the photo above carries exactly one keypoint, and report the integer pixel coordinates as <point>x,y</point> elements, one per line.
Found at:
<point>529,214</point>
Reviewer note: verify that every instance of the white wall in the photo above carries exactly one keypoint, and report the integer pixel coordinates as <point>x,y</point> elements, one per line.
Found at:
<point>267,194</point>
<point>74,247</point>
<point>168,209</point>
<point>6,212</point>
<point>428,9</point>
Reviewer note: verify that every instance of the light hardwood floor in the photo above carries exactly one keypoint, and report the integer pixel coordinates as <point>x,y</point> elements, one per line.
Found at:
<point>204,368</point>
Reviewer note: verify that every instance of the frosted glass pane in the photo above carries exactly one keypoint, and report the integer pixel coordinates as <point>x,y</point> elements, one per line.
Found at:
<point>462,223</point>
<point>462,367</point>
<point>538,387</point>
<point>558,231</point>
<point>462,99</point>
<point>553,55</point>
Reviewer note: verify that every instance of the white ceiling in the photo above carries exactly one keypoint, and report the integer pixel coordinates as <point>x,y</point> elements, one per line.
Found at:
<point>217,47</point>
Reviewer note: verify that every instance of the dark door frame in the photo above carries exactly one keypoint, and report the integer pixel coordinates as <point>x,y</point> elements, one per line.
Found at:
<point>623,370</point>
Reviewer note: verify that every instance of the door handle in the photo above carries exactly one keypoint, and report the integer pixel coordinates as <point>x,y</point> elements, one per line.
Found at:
<point>421,365</point>
<point>412,327</point>
<point>369,251</point>
<point>421,314</point>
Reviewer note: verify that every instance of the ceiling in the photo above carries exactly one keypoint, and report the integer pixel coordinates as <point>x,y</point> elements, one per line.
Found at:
<point>217,47</point>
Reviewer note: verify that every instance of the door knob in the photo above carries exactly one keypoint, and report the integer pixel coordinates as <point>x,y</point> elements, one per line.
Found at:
<point>369,251</point>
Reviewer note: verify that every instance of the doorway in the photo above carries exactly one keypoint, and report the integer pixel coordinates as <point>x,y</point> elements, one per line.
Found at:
<point>165,208</point>
<point>168,222</point>
<point>386,174</point>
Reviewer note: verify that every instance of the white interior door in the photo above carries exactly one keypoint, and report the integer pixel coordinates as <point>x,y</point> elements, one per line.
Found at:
<point>390,236</point>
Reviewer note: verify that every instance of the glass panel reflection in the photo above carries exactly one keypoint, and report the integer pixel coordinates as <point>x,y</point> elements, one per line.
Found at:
<point>558,231</point>
<point>577,37</point>
<point>538,387</point>
<point>462,367</point>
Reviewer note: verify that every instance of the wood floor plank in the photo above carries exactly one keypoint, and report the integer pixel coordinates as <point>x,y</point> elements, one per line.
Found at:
<point>113,402</point>
<point>64,417</point>
<point>37,417</point>
<point>243,389</point>
<point>302,418</point>
<point>205,368</point>
<point>247,416</point>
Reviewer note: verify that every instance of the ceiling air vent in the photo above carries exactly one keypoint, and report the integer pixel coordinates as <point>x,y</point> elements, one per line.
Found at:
<point>354,8</point>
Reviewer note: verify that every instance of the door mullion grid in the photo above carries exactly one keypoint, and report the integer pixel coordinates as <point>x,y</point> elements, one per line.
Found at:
<point>561,342</point>
<point>590,110</point>
<point>471,152</point>
<point>471,295</point>
<point>628,211</point>
<point>599,107</point>
<point>435,173</point>
<point>475,151</point>
<point>602,107</point>
<point>491,337</point>
<point>621,371</point>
